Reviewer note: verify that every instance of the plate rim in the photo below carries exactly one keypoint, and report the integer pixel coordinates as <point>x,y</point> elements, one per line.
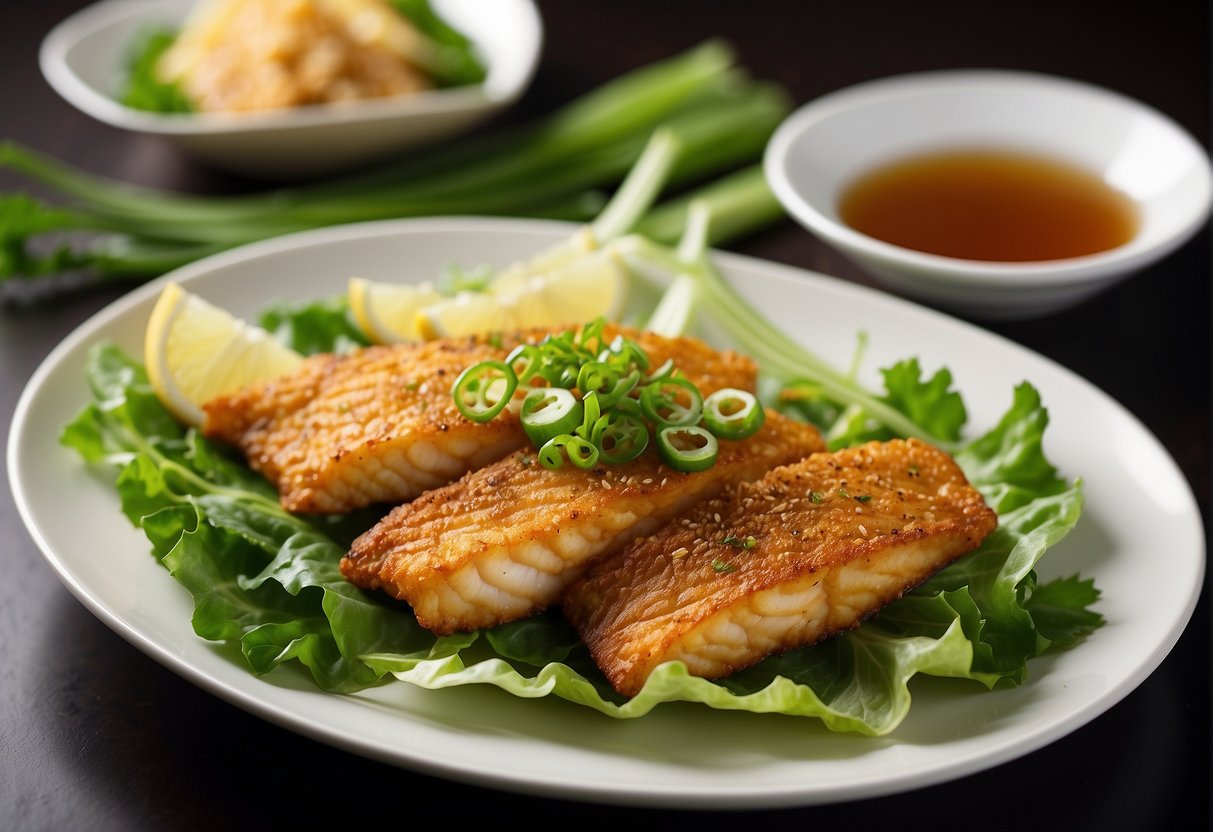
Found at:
<point>655,795</point>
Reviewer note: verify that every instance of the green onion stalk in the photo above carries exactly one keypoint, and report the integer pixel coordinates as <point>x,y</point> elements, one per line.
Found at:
<point>698,285</point>
<point>557,166</point>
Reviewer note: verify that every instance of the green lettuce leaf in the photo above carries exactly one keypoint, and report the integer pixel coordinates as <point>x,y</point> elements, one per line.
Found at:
<point>974,620</point>
<point>144,90</point>
<point>930,403</point>
<point>258,575</point>
<point>455,61</point>
<point>269,581</point>
<point>321,326</point>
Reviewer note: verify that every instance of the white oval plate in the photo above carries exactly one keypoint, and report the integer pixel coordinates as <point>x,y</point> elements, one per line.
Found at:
<point>83,59</point>
<point>1140,538</point>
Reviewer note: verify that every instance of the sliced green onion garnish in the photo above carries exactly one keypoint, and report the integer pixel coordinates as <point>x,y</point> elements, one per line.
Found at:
<point>590,414</point>
<point>629,406</point>
<point>623,352</point>
<point>530,357</point>
<point>484,389</point>
<point>671,401</point>
<point>590,339</point>
<point>549,412</point>
<point>588,399</point>
<point>733,414</point>
<point>620,437</point>
<point>579,451</point>
<point>687,447</point>
<point>664,371</point>
<point>620,392</point>
<point>596,376</point>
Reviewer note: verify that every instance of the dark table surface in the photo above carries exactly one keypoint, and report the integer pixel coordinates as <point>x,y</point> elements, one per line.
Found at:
<point>99,736</point>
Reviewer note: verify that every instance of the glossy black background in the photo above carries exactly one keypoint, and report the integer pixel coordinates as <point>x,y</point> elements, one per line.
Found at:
<point>94,735</point>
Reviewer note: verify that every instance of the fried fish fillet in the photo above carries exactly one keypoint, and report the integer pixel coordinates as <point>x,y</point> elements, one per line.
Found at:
<point>806,552</point>
<point>380,425</point>
<point>504,541</point>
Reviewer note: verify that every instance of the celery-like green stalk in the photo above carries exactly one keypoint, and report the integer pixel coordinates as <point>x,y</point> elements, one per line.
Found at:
<point>776,353</point>
<point>674,312</point>
<point>639,189</point>
<point>720,119</point>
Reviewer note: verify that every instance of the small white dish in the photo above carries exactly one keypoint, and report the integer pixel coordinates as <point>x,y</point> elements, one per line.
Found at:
<point>826,144</point>
<point>83,59</point>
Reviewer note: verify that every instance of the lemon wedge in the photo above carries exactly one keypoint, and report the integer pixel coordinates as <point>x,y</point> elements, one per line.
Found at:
<point>553,259</point>
<point>387,312</point>
<point>195,351</point>
<point>591,287</point>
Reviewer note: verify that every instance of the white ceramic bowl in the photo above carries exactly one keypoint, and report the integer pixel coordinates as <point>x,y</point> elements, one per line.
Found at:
<point>828,142</point>
<point>83,59</point>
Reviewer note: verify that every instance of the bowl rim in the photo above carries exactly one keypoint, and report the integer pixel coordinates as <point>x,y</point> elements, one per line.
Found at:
<point>55,45</point>
<point>956,271</point>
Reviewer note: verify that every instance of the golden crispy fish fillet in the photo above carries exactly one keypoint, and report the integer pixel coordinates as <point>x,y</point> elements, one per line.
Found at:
<point>806,552</point>
<point>380,425</point>
<point>503,542</point>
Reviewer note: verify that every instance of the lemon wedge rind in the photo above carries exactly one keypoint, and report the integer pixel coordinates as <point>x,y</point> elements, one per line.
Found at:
<point>195,351</point>
<point>591,287</point>
<point>387,313</point>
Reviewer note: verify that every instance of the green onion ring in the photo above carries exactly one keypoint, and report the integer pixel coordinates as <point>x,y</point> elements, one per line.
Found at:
<point>629,406</point>
<point>591,412</point>
<point>579,451</point>
<point>660,402</point>
<point>733,414</point>
<point>620,392</point>
<point>625,353</point>
<point>548,412</point>
<point>484,389</point>
<point>664,371</point>
<point>687,448</point>
<point>619,437</point>
<point>532,358</point>
<point>596,376</point>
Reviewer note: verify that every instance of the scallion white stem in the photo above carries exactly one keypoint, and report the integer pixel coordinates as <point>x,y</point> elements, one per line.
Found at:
<point>639,189</point>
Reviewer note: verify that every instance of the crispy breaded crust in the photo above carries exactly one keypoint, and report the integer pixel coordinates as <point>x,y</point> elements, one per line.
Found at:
<point>504,541</point>
<point>380,425</point>
<point>808,551</point>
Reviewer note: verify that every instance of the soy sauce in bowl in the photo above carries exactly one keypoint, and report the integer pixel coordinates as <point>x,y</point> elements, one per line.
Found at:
<point>988,204</point>
<point>1137,177</point>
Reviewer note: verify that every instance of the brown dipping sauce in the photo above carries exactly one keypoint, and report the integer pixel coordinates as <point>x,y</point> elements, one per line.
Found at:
<point>990,205</point>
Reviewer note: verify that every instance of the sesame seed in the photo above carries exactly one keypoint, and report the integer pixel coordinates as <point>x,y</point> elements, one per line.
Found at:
<point>680,552</point>
<point>863,530</point>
